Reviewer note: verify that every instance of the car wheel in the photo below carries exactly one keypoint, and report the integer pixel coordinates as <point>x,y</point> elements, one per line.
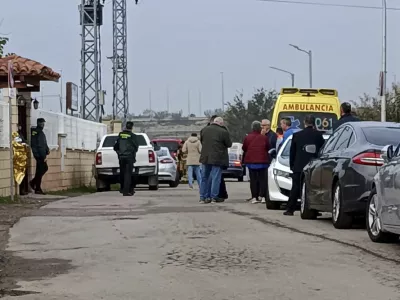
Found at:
<point>306,213</point>
<point>272,205</point>
<point>176,182</point>
<point>240,179</point>
<point>374,225</point>
<point>340,219</point>
<point>153,187</point>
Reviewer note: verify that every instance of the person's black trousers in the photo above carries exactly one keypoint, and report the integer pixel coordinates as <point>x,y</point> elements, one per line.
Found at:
<point>223,193</point>
<point>125,172</point>
<point>41,169</point>
<point>294,192</point>
<point>258,182</point>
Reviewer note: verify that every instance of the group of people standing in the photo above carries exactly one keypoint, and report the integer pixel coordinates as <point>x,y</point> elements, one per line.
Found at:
<point>207,157</point>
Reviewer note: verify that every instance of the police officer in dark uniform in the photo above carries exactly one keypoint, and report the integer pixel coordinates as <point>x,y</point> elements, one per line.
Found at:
<point>40,151</point>
<point>126,148</point>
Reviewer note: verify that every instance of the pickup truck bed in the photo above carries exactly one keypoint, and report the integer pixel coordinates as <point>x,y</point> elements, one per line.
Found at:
<point>107,164</point>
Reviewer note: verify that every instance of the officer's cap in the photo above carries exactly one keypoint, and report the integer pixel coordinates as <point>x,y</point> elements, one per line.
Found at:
<point>41,120</point>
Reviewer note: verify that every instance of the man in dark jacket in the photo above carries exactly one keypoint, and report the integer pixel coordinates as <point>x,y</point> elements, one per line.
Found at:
<point>223,193</point>
<point>266,129</point>
<point>126,148</point>
<point>214,157</point>
<point>40,151</point>
<point>299,158</point>
<point>346,115</point>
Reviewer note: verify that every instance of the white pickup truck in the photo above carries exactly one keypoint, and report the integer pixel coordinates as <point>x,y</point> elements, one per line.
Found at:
<point>107,165</point>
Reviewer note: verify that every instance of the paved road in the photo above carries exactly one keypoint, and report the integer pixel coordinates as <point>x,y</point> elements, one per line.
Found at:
<point>164,245</point>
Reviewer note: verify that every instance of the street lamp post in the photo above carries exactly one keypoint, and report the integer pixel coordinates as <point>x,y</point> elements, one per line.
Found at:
<point>309,53</point>
<point>223,92</point>
<point>287,72</point>
<point>383,74</point>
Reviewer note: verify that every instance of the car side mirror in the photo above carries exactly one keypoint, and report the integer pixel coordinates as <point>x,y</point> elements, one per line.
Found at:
<point>312,149</point>
<point>272,153</point>
<point>387,153</point>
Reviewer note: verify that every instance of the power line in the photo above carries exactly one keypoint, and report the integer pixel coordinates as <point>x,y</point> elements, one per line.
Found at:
<point>328,4</point>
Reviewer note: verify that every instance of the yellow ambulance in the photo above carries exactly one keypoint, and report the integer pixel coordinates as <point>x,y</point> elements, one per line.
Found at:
<point>296,103</point>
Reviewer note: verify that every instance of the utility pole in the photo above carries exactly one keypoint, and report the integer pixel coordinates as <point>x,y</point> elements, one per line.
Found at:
<point>168,100</point>
<point>189,103</point>
<point>200,112</point>
<point>120,60</point>
<point>222,92</point>
<point>91,19</point>
<point>383,73</point>
<point>150,107</point>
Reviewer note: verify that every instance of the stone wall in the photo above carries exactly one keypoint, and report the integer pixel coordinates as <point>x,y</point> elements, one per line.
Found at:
<point>4,172</point>
<point>77,171</point>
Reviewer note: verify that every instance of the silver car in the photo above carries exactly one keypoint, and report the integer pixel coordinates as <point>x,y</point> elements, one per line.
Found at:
<point>383,213</point>
<point>168,170</point>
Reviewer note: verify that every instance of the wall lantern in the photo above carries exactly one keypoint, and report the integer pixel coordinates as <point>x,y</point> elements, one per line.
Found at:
<point>35,104</point>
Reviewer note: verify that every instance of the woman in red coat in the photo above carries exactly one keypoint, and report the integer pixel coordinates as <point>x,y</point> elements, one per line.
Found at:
<point>256,159</point>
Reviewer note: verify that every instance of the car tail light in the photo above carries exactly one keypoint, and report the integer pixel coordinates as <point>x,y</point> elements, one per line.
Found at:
<point>99,159</point>
<point>152,157</point>
<point>166,161</point>
<point>368,158</point>
<point>237,163</point>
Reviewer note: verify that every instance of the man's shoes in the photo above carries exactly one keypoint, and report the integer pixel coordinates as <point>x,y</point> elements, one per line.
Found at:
<point>249,199</point>
<point>39,192</point>
<point>128,195</point>
<point>288,213</point>
<point>202,201</point>
<point>32,185</point>
<point>263,200</point>
<point>255,201</point>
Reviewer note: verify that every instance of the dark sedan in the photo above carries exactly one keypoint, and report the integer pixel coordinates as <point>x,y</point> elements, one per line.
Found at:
<point>340,179</point>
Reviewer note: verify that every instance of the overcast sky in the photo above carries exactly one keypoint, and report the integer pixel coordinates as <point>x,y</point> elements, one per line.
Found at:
<point>185,44</point>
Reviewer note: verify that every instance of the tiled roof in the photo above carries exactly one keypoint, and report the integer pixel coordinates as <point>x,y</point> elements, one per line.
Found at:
<point>27,67</point>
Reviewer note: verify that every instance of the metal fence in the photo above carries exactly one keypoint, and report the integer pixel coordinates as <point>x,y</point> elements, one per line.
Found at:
<point>4,125</point>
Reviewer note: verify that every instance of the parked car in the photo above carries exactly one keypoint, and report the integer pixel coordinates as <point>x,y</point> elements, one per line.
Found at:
<point>383,213</point>
<point>235,169</point>
<point>279,175</point>
<point>170,143</point>
<point>106,171</point>
<point>168,170</point>
<point>340,180</point>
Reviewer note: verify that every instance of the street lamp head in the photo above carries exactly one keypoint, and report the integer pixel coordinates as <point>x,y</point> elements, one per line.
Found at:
<point>294,46</point>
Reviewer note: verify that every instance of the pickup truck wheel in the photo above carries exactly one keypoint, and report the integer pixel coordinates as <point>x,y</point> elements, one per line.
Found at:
<point>102,186</point>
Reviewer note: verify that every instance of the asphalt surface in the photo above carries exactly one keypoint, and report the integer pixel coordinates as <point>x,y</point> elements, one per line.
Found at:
<point>165,245</point>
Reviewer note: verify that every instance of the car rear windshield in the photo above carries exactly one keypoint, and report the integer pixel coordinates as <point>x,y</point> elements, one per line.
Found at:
<point>162,152</point>
<point>171,145</point>
<point>382,136</point>
<point>112,139</point>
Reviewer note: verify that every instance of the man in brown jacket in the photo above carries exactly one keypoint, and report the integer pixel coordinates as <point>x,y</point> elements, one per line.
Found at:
<point>193,149</point>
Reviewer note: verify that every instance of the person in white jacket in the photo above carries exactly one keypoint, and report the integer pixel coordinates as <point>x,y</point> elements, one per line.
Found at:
<point>193,149</point>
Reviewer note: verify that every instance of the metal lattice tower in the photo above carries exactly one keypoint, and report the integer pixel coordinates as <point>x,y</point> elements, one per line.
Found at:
<point>120,67</point>
<point>91,19</point>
